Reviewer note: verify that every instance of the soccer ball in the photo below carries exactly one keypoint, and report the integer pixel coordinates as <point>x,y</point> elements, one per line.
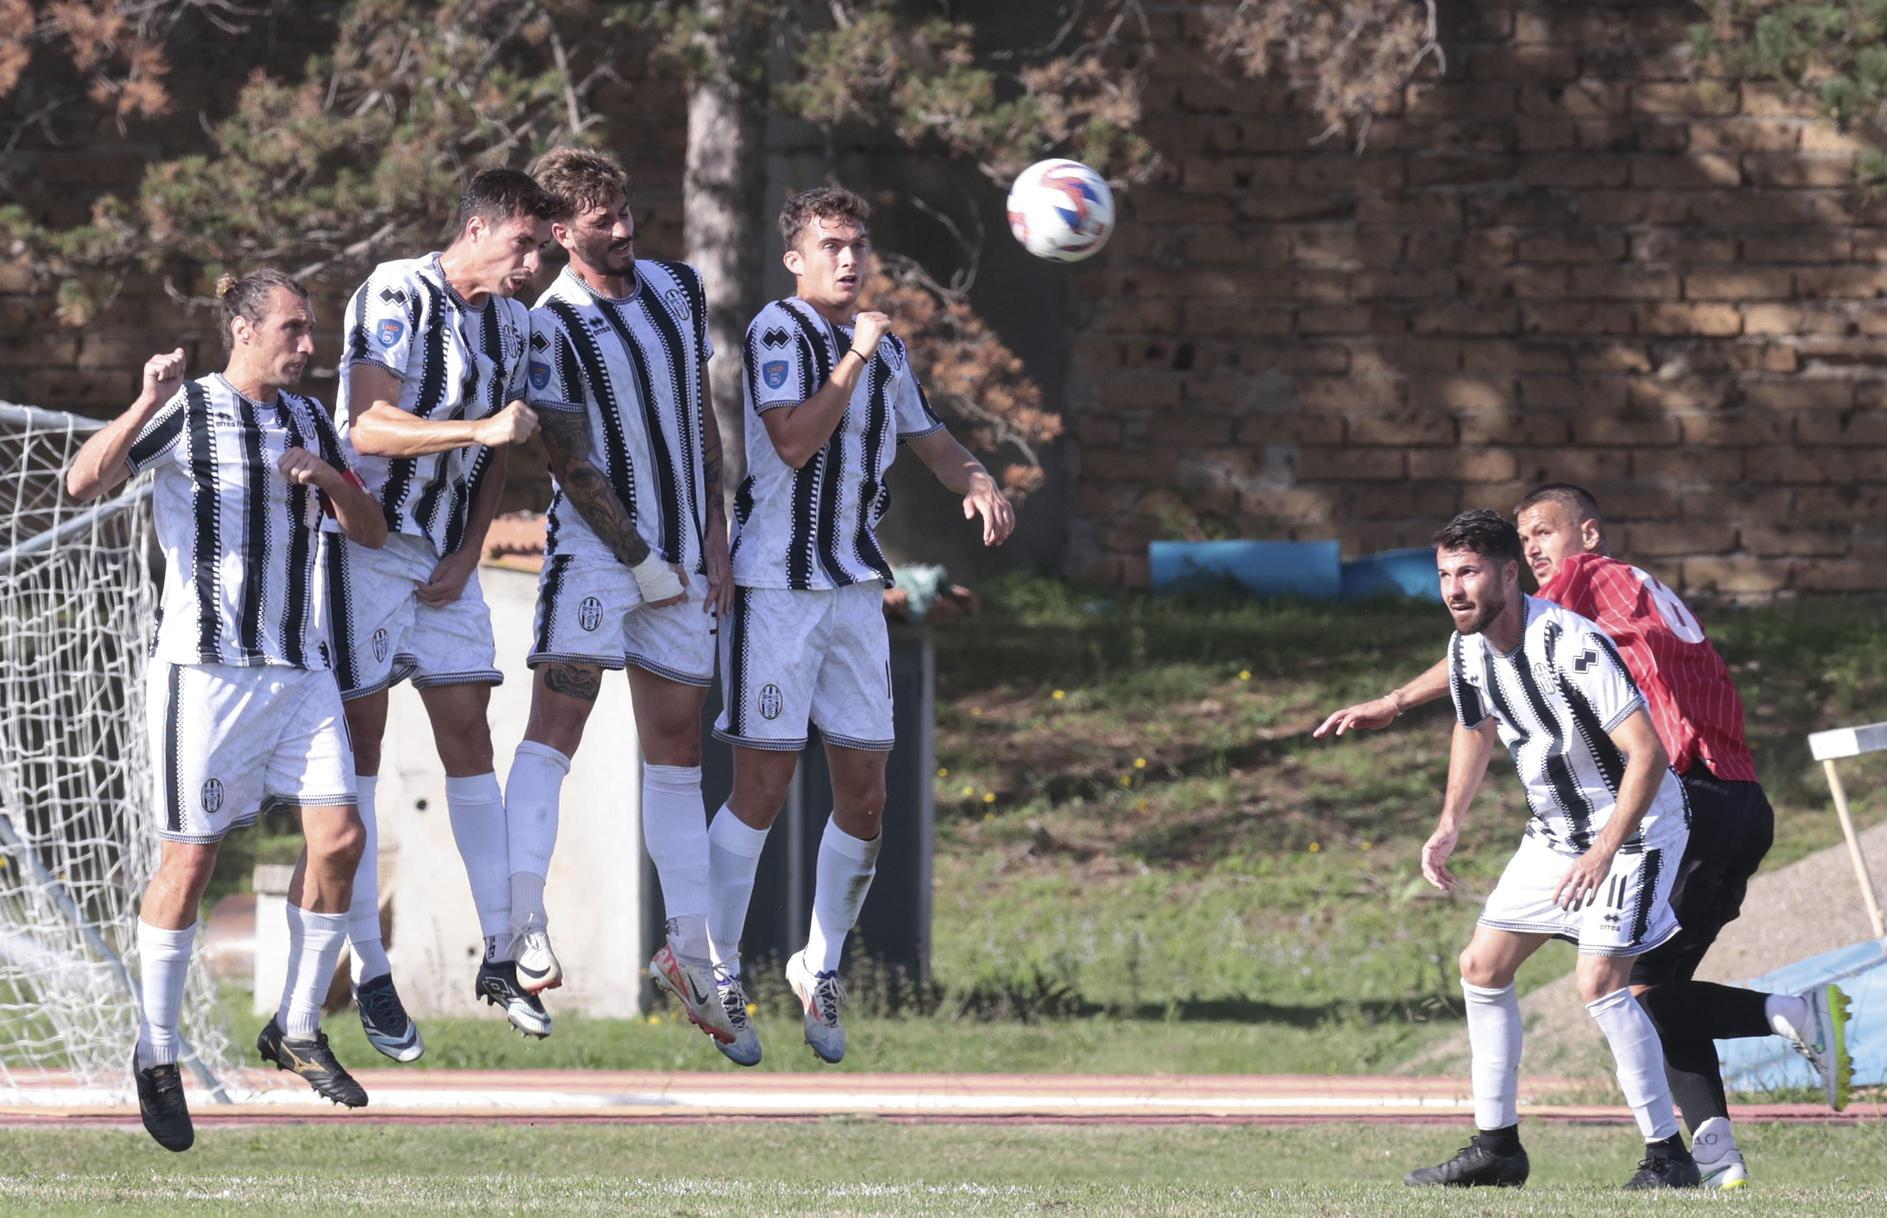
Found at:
<point>1061,210</point>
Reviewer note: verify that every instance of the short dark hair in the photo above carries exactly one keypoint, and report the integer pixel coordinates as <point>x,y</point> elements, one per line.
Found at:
<point>821,203</point>
<point>1575,499</point>
<point>247,297</point>
<point>497,195</point>
<point>579,178</point>
<point>1485,532</point>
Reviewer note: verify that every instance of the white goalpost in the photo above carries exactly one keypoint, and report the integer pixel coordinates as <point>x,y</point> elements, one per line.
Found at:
<point>76,840</point>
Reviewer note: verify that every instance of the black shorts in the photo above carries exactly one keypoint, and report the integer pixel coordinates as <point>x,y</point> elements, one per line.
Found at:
<point>1731,828</point>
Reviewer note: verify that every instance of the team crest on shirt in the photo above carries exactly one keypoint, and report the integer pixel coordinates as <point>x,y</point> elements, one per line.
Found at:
<point>773,372</point>
<point>590,613</point>
<point>540,375</point>
<point>391,328</point>
<point>771,703</point>
<point>677,300</point>
<point>893,358</point>
<point>380,645</point>
<point>213,796</point>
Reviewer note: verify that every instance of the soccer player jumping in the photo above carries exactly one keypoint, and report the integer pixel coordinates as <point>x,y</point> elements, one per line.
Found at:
<point>830,395</point>
<point>1608,826</point>
<point>242,708</point>
<point>635,555</point>
<point>432,397</point>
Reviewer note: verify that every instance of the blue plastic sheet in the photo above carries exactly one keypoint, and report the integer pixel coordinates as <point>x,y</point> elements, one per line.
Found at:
<point>1768,1062</point>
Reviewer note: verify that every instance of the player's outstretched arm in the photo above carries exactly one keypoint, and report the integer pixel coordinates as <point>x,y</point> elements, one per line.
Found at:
<point>1468,754</point>
<point>1381,712</point>
<point>567,440</point>
<point>1645,768</point>
<point>384,430</point>
<point>100,464</point>
<point>964,475</point>
<point>798,432</point>
<point>354,509</point>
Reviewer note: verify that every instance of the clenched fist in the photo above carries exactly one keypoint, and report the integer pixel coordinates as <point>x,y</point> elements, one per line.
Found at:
<point>871,327</point>
<point>303,468</point>
<point>162,375</point>
<point>515,424</point>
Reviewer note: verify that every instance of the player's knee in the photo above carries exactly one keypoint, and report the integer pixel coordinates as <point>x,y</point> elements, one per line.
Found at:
<point>342,842</point>
<point>863,799</point>
<point>1478,969</point>
<point>1594,984</point>
<point>677,744</point>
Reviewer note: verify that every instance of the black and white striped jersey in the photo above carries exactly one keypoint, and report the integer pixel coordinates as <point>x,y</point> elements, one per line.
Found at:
<point>454,362</point>
<point>238,537</point>
<point>814,527</point>
<point>633,367</point>
<point>1555,698</point>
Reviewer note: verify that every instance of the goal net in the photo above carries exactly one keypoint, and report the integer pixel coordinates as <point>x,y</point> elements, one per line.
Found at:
<point>76,844</point>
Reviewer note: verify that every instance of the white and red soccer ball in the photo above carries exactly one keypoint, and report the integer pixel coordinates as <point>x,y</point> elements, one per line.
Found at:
<point>1061,210</point>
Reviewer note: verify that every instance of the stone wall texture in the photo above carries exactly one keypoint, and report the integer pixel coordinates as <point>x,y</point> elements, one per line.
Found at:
<point>1570,257</point>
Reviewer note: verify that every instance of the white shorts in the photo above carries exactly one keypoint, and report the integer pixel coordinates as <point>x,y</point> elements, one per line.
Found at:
<point>589,611</point>
<point>367,606</point>
<point>790,657</point>
<point>228,741</point>
<point>1630,915</point>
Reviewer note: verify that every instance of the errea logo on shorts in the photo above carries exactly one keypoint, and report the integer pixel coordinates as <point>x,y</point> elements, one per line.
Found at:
<point>590,613</point>
<point>212,796</point>
<point>771,703</point>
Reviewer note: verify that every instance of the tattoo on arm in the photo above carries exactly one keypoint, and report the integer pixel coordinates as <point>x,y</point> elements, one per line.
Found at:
<point>567,439</point>
<point>580,681</point>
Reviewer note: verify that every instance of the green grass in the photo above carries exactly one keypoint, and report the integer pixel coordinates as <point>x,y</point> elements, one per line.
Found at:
<point>875,1167</point>
<point>1160,866</point>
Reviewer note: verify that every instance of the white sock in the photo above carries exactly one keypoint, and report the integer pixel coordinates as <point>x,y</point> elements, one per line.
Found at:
<point>733,859</point>
<point>1712,1140</point>
<point>675,828</point>
<point>478,829</point>
<point>840,882</point>
<point>1787,1013</point>
<point>163,966</point>
<point>363,910</point>
<point>1494,1030</point>
<point>532,791</point>
<point>314,946</point>
<point>1640,1061</point>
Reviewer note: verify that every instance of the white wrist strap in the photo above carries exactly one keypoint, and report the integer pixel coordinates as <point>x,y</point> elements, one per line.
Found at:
<point>655,579</point>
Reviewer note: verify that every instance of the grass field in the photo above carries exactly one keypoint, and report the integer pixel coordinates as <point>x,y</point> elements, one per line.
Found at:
<point>873,1167</point>
<point>1143,862</point>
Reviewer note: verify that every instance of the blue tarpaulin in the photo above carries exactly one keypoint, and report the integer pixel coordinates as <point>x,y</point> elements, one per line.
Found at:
<point>1766,1063</point>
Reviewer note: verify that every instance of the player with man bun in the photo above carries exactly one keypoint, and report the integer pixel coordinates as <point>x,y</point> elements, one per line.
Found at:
<point>243,708</point>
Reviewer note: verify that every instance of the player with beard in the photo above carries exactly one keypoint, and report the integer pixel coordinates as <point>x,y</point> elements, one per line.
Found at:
<point>1608,823</point>
<point>635,559</point>
<point>432,398</point>
<point>243,710</point>
<point>1699,719</point>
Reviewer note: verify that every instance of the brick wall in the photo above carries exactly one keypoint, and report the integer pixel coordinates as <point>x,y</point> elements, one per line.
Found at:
<point>1565,260</point>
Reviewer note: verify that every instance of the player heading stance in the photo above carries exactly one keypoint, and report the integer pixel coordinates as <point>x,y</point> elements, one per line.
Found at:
<point>432,389</point>
<point>834,393</point>
<point>635,556</point>
<point>242,708</point>
<point>1699,720</point>
<point>1608,825</point>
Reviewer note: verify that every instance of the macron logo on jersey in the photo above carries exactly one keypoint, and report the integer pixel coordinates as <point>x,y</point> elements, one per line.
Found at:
<point>390,331</point>
<point>773,372</point>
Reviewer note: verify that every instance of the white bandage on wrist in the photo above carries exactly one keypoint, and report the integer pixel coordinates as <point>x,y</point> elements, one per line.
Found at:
<point>655,579</point>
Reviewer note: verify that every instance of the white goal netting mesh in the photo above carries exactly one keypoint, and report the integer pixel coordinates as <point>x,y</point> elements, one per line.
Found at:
<point>76,843</point>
